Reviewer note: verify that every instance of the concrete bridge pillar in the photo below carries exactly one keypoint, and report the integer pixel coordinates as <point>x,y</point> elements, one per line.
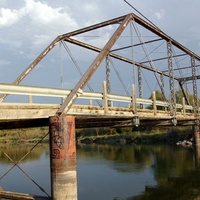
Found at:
<point>196,132</point>
<point>63,158</point>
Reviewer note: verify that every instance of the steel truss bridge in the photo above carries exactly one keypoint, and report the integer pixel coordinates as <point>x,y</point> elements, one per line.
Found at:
<point>130,73</point>
<point>128,52</point>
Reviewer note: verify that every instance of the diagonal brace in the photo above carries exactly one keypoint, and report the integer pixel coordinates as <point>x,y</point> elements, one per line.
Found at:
<point>93,67</point>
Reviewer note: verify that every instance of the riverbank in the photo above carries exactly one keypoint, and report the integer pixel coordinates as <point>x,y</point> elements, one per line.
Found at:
<point>174,136</point>
<point>121,136</point>
<point>31,135</point>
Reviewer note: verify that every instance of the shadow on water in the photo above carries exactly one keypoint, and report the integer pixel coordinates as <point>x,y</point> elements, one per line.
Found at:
<point>174,169</point>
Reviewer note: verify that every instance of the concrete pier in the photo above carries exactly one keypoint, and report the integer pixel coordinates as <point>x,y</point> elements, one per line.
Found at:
<point>196,135</point>
<point>63,158</point>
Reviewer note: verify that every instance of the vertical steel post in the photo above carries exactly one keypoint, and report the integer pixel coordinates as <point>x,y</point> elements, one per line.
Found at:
<point>183,102</point>
<point>63,157</point>
<point>105,99</point>
<point>195,106</point>
<point>134,99</point>
<point>154,102</point>
<point>30,99</point>
<point>194,82</point>
<point>171,80</point>
<point>162,83</point>
<point>140,84</point>
<point>108,77</point>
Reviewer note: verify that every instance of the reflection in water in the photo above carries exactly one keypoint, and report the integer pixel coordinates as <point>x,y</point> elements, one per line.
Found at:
<point>17,151</point>
<point>35,165</point>
<point>110,172</point>
<point>148,172</point>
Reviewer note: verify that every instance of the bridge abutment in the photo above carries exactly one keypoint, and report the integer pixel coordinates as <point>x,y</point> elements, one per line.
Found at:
<point>63,157</point>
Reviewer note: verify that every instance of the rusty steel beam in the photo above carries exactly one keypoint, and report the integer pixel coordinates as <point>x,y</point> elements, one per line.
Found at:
<point>117,20</point>
<point>96,49</point>
<point>140,21</point>
<point>135,45</point>
<point>163,58</point>
<point>183,92</point>
<point>180,68</point>
<point>189,78</point>
<point>160,33</point>
<point>88,74</point>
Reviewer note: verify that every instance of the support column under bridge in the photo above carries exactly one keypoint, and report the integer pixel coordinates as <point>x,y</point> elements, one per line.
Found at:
<point>63,158</point>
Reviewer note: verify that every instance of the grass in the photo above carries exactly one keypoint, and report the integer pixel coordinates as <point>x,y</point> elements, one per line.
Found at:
<point>162,135</point>
<point>168,135</point>
<point>23,135</point>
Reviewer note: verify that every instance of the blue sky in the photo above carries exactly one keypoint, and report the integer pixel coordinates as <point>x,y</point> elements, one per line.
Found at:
<point>28,26</point>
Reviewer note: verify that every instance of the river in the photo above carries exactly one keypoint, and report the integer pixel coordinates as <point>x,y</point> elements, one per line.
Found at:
<point>108,172</point>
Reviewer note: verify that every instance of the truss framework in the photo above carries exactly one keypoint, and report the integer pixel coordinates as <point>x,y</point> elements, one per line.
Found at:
<point>107,50</point>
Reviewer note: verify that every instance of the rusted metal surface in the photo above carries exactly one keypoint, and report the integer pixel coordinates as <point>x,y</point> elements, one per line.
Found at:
<point>117,20</point>
<point>140,21</point>
<point>88,74</point>
<point>171,79</point>
<point>163,58</point>
<point>138,64</point>
<point>194,83</point>
<point>122,23</point>
<point>134,45</point>
<point>183,92</point>
<point>163,35</point>
<point>63,157</point>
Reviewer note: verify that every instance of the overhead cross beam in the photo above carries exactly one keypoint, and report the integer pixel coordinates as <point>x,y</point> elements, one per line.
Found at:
<point>116,56</point>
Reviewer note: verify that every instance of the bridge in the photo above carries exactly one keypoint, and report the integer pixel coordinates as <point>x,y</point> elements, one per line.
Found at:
<point>130,74</point>
<point>37,114</point>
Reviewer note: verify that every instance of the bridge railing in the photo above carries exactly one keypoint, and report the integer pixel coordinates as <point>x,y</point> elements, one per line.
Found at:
<point>151,104</point>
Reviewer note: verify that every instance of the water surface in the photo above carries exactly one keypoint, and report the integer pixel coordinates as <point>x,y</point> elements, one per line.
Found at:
<point>108,172</point>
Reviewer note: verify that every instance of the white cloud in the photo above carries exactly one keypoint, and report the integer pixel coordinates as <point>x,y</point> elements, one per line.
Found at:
<point>10,16</point>
<point>31,27</point>
<point>160,14</point>
<point>26,28</point>
<point>41,13</point>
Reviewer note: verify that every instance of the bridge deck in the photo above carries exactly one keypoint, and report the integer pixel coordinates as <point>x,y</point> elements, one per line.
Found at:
<point>28,115</point>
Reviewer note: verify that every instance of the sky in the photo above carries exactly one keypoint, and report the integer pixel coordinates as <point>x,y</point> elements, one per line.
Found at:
<point>28,26</point>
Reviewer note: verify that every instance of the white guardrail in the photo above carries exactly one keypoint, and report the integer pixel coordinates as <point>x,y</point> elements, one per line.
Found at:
<point>63,93</point>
